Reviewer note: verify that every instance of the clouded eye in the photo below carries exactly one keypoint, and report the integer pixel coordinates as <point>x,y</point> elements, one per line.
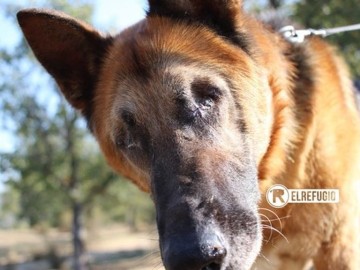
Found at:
<point>128,138</point>
<point>126,142</point>
<point>212,92</point>
<point>205,94</point>
<point>132,144</point>
<point>128,118</point>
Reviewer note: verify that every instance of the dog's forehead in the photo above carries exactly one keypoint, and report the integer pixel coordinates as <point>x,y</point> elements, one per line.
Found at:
<point>158,41</point>
<point>149,63</point>
<point>146,63</point>
<point>161,91</point>
<point>158,93</point>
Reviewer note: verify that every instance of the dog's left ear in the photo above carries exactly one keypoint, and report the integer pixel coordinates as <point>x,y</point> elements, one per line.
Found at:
<point>220,15</point>
<point>70,50</point>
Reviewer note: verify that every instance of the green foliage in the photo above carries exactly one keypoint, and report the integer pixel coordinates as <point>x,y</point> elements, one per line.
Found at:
<point>334,13</point>
<point>55,162</point>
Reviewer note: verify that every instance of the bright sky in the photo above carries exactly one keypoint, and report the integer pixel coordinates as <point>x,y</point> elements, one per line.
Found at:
<point>111,15</point>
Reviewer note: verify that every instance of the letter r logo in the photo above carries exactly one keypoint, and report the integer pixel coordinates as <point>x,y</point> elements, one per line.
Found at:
<point>277,196</point>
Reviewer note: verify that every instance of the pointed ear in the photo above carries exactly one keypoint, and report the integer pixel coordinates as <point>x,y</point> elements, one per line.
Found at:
<point>221,15</point>
<point>70,51</point>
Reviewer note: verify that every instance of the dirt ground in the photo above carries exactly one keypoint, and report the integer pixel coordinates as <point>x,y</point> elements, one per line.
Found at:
<point>110,248</point>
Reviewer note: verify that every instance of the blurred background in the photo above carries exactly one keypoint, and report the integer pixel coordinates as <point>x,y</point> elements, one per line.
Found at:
<point>61,207</point>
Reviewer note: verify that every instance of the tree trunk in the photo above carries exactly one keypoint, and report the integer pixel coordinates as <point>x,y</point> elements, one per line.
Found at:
<point>80,262</point>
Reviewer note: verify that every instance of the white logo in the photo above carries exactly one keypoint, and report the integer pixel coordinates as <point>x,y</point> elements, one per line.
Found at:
<point>278,196</point>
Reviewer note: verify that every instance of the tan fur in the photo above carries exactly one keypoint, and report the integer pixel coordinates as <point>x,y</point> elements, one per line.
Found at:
<point>325,155</point>
<point>303,125</point>
<point>319,149</point>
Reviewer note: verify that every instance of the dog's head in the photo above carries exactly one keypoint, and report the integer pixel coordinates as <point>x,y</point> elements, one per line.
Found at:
<point>180,104</point>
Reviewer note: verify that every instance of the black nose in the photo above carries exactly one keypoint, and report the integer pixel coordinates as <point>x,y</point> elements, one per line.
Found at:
<point>192,252</point>
<point>212,256</point>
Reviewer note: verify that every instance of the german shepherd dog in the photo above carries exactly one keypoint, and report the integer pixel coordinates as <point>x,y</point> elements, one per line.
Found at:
<point>205,108</point>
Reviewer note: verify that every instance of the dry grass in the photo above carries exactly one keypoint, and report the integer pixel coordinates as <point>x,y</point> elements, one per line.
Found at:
<point>108,249</point>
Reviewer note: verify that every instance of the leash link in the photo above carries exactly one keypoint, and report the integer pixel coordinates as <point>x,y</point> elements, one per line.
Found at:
<point>298,36</point>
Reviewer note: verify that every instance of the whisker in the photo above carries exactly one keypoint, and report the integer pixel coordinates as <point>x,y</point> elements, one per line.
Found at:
<point>266,259</point>
<point>276,230</point>
<point>158,265</point>
<point>149,258</point>
<point>263,226</point>
<point>278,218</point>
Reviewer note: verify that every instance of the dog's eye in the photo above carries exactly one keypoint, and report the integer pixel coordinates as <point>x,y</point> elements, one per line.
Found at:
<point>127,143</point>
<point>120,140</point>
<point>213,93</point>
<point>206,103</point>
<point>128,118</point>
<point>129,138</point>
<point>208,96</point>
<point>205,94</point>
<point>131,144</point>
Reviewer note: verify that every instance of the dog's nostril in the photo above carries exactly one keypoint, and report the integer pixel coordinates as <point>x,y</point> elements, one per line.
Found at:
<point>218,252</point>
<point>215,253</point>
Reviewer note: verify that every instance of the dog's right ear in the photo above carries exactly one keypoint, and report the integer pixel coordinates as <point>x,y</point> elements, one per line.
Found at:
<point>222,16</point>
<point>71,51</point>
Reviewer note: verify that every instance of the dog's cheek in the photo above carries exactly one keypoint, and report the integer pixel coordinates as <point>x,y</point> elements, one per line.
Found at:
<point>118,162</point>
<point>246,252</point>
<point>253,98</point>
